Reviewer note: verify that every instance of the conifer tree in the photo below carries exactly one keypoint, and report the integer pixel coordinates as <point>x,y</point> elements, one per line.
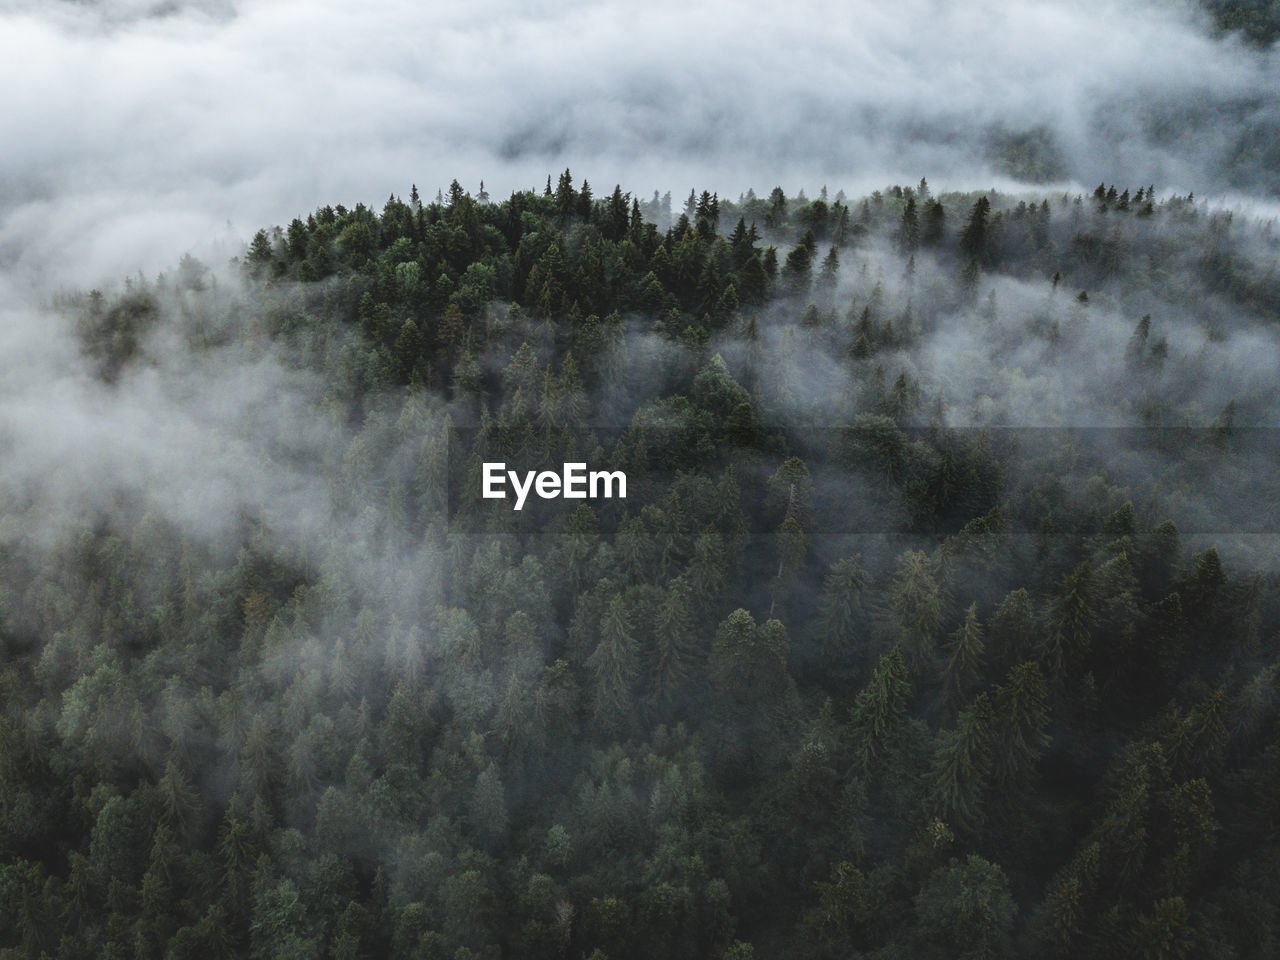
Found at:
<point>798,269</point>
<point>973,239</point>
<point>962,767</point>
<point>1020,718</point>
<point>879,709</point>
<point>613,667</point>
<point>1012,631</point>
<point>966,910</point>
<point>830,268</point>
<point>488,810</point>
<point>565,196</point>
<point>934,229</point>
<point>840,603</point>
<point>1067,910</point>
<point>908,236</point>
<point>1072,616</point>
<point>964,659</point>
<point>915,600</point>
<point>673,629</point>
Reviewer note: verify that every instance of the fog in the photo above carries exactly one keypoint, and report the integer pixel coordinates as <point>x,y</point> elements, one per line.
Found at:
<point>244,503</point>
<point>146,129</point>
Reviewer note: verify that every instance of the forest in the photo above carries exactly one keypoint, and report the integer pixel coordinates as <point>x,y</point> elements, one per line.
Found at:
<point>941,618</point>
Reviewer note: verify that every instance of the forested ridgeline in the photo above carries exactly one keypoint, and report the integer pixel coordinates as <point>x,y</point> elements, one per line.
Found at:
<point>926,629</point>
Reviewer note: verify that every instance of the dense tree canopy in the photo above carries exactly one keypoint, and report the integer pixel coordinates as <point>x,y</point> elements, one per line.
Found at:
<point>857,668</point>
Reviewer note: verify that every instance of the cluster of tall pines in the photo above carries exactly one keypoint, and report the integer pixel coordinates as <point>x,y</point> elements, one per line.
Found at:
<point>848,674</point>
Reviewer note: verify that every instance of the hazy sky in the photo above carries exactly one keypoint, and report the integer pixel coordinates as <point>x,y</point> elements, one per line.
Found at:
<point>137,130</point>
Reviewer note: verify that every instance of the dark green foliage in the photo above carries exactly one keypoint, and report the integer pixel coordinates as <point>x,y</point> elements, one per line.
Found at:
<point>840,607</point>
<point>879,709</point>
<point>967,912</point>
<point>963,659</point>
<point>962,768</point>
<point>973,239</point>
<point>835,680</point>
<point>909,229</point>
<point>1021,716</point>
<point>613,667</point>
<point>915,600</point>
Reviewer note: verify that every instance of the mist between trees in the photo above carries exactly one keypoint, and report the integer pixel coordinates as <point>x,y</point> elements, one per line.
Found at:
<point>940,618</point>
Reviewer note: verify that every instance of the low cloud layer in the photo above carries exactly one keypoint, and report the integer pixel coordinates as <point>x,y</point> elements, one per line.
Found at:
<point>146,129</point>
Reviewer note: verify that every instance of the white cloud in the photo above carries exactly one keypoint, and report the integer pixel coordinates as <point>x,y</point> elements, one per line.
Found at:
<point>136,136</point>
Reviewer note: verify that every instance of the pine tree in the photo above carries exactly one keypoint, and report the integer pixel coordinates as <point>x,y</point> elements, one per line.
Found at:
<point>673,632</point>
<point>1068,911</point>
<point>1072,616</point>
<point>748,663</point>
<point>841,902</point>
<point>616,219</point>
<point>966,911</point>
<point>1200,590</point>
<point>792,547</point>
<point>409,350</point>
<point>790,492</point>
<point>1021,717</point>
<point>180,803</point>
<point>613,667</point>
<point>964,658</point>
<point>1165,933</point>
<point>488,810</point>
<point>830,270</point>
<point>798,269</point>
<point>934,229</point>
<point>1012,631</point>
<point>1199,740</point>
<point>707,570</point>
<point>260,253</point>
<point>840,603</point>
<point>879,709</point>
<point>973,239</point>
<point>962,767</point>
<point>1136,352</point>
<point>915,600</point>
<point>908,236</point>
<point>565,196</point>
